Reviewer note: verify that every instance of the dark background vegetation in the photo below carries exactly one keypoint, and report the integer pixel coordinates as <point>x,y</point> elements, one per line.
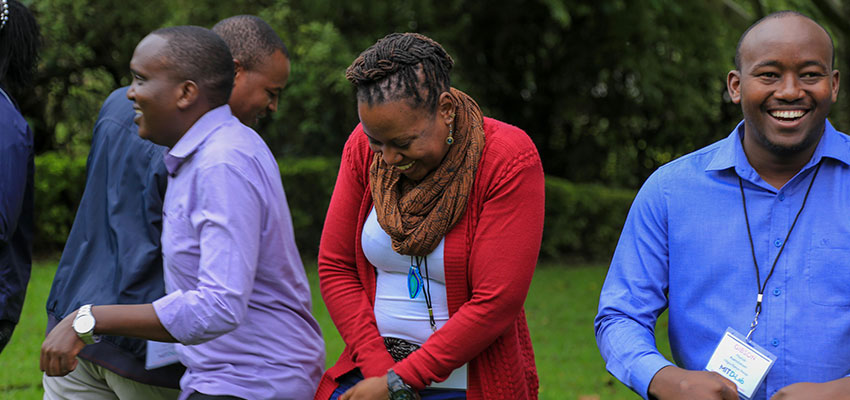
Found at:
<point>607,89</point>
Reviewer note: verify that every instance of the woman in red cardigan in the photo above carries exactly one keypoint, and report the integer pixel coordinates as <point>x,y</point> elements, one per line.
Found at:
<point>431,238</point>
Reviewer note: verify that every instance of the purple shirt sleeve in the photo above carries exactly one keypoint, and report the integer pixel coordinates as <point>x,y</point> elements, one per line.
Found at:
<point>224,213</point>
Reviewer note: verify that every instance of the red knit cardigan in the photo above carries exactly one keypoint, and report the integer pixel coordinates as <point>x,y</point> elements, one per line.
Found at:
<point>490,257</point>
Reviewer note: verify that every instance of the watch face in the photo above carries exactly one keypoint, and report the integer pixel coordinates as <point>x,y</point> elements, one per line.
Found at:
<point>402,394</point>
<point>84,324</point>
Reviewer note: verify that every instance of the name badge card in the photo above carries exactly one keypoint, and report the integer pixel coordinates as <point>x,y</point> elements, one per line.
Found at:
<point>160,354</point>
<point>746,364</point>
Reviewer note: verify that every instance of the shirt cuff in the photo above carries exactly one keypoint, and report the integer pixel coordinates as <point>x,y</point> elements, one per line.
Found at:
<point>644,370</point>
<point>182,327</point>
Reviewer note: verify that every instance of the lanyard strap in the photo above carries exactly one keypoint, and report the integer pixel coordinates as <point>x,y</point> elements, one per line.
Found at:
<point>759,285</point>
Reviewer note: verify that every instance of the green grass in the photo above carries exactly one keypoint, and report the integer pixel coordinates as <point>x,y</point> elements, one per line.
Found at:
<point>560,309</point>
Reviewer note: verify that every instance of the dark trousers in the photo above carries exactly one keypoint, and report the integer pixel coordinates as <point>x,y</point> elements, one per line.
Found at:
<point>201,396</point>
<point>350,379</point>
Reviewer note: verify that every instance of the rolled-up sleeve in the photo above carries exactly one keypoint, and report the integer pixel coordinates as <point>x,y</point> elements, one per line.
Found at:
<point>226,218</point>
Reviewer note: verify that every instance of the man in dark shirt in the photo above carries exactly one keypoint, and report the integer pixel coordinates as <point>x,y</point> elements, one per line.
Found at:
<point>19,39</point>
<point>113,254</point>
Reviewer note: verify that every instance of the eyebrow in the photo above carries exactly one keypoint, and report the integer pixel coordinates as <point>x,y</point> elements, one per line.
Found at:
<point>774,63</point>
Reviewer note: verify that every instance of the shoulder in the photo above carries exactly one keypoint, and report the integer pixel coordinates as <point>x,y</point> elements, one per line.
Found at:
<point>238,146</point>
<point>507,148</point>
<point>118,109</point>
<point>689,166</point>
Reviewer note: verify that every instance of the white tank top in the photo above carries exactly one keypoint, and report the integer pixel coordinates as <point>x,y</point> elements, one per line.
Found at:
<point>396,313</point>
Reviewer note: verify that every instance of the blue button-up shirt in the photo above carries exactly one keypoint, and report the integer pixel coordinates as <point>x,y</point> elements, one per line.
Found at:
<point>113,254</point>
<point>238,297</point>
<point>685,248</point>
<point>16,208</point>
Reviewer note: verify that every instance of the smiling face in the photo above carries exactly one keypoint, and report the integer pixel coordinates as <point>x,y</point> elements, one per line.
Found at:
<point>785,86</point>
<point>154,92</point>
<point>412,140</point>
<point>256,91</point>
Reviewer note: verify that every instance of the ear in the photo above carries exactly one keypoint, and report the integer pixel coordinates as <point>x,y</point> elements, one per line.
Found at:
<point>836,79</point>
<point>446,107</point>
<point>238,70</point>
<point>189,94</point>
<point>733,86</point>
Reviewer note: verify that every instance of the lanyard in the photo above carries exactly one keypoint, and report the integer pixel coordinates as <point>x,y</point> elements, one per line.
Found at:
<point>759,285</point>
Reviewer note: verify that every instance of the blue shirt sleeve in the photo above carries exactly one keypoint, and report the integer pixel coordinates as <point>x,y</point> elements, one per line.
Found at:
<point>635,292</point>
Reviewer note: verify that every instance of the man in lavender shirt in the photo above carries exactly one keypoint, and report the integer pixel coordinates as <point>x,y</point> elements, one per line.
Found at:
<point>238,300</point>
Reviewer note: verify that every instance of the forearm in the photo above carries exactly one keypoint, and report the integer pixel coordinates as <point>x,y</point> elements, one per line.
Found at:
<point>136,320</point>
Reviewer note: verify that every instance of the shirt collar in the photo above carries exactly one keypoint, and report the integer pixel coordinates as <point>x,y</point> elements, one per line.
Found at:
<point>195,136</point>
<point>730,153</point>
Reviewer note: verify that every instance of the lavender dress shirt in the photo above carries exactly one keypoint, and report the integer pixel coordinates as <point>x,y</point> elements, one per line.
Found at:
<point>238,298</point>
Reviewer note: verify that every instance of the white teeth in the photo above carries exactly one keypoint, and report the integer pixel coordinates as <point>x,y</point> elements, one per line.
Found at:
<point>405,167</point>
<point>788,114</point>
<point>138,112</point>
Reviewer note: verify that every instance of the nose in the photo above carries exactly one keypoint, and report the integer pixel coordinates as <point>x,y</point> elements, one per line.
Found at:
<point>789,88</point>
<point>131,92</point>
<point>390,156</point>
<point>272,106</point>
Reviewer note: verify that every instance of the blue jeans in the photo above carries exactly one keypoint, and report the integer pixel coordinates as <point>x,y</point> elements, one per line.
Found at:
<point>350,379</point>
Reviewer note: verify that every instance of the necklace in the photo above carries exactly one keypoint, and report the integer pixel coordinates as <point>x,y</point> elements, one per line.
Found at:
<point>415,284</point>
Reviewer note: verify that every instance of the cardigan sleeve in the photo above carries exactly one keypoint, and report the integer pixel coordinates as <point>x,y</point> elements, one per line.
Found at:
<point>505,245</point>
<point>339,281</point>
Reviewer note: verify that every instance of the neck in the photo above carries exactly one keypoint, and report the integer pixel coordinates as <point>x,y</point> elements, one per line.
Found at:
<point>776,169</point>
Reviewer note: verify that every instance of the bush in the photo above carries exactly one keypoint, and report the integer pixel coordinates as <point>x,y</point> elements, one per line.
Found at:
<point>59,183</point>
<point>583,220</point>
<point>309,183</point>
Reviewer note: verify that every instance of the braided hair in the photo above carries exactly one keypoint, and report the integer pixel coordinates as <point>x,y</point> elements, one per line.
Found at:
<point>20,41</point>
<point>402,66</point>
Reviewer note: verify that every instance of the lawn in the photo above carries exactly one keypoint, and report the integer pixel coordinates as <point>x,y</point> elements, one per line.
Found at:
<point>560,310</point>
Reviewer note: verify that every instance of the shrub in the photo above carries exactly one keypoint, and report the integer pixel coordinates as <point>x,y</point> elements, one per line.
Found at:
<point>583,220</point>
<point>59,183</point>
<point>309,183</point>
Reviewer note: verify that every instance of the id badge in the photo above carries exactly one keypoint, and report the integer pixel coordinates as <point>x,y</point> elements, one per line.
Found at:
<point>746,364</point>
<point>160,354</point>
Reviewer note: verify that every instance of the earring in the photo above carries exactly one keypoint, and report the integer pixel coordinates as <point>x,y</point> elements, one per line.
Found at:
<point>450,139</point>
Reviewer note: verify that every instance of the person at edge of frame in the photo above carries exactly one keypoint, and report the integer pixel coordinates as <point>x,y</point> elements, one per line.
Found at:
<point>745,242</point>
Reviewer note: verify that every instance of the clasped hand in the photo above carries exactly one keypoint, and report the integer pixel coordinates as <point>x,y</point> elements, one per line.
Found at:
<point>59,350</point>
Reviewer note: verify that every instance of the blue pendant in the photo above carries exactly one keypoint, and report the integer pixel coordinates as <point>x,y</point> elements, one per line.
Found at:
<point>414,281</point>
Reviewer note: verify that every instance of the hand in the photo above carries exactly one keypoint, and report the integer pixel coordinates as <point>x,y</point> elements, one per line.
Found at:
<point>60,348</point>
<point>838,389</point>
<point>374,388</point>
<point>672,383</point>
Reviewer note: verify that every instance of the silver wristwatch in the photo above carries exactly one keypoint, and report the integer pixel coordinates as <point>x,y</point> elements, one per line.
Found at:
<point>84,325</point>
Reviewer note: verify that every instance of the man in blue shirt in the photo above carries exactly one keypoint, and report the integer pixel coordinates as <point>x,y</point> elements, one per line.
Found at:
<point>113,254</point>
<point>19,44</point>
<point>751,233</point>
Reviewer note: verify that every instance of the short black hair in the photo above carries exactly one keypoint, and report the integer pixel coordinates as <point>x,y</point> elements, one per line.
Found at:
<point>250,39</point>
<point>198,54</point>
<point>777,15</point>
<point>20,41</point>
<point>402,66</point>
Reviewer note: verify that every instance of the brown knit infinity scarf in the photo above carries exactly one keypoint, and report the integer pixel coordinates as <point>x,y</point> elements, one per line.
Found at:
<point>417,215</point>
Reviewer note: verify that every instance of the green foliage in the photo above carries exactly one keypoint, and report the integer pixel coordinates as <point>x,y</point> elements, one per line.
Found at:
<point>608,90</point>
<point>59,183</point>
<point>308,184</point>
<point>583,220</point>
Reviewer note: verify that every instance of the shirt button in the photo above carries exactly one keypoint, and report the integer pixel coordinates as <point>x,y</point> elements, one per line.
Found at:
<point>781,196</point>
<point>777,243</point>
<point>777,292</point>
<point>775,342</point>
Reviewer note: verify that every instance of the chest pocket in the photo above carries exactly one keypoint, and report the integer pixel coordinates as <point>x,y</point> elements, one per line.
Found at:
<point>828,270</point>
<point>178,235</point>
